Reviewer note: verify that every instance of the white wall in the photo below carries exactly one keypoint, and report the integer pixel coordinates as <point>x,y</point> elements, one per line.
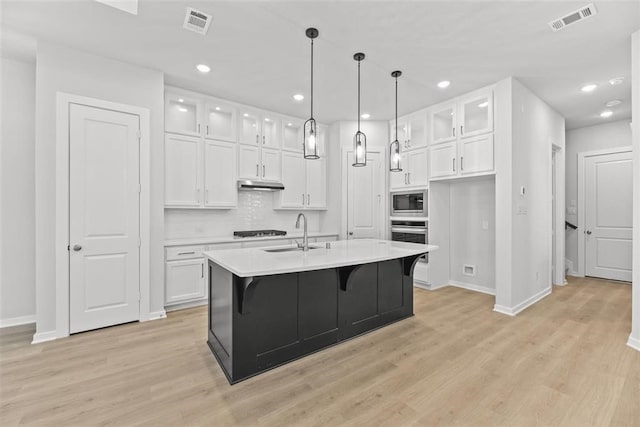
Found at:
<point>17,278</point>
<point>471,203</point>
<point>535,127</point>
<point>599,137</point>
<point>634,338</point>
<point>60,69</point>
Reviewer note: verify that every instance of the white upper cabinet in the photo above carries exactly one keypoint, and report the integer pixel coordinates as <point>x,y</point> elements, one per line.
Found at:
<point>316,183</point>
<point>182,114</point>
<point>412,130</point>
<point>250,127</point>
<point>292,134</point>
<point>220,121</point>
<point>443,123</point>
<point>293,178</point>
<point>182,186</point>
<point>414,170</point>
<point>270,131</point>
<point>443,160</point>
<point>270,165</point>
<point>249,162</point>
<point>476,154</point>
<point>220,174</point>
<point>476,114</point>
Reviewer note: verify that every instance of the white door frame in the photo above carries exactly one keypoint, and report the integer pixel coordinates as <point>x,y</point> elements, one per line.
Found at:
<point>384,218</point>
<point>559,278</point>
<point>63,101</point>
<point>582,156</point>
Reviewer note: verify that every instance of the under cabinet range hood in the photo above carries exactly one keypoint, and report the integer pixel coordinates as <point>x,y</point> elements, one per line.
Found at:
<point>248,184</point>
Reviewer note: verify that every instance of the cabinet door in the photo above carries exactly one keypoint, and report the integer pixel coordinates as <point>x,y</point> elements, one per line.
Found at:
<point>182,114</point>
<point>270,131</point>
<point>293,178</point>
<point>403,132</point>
<point>250,128</point>
<point>417,160</point>
<point>220,121</point>
<point>398,180</point>
<point>443,124</point>
<point>316,183</point>
<point>476,115</point>
<point>220,174</point>
<point>417,124</point>
<point>249,162</point>
<point>184,281</point>
<point>476,154</point>
<point>443,160</point>
<point>182,171</point>
<point>270,165</point>
<point>292,134</point>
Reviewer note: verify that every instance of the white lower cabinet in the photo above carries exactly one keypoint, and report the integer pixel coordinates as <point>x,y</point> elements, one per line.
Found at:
<point>185,281</point>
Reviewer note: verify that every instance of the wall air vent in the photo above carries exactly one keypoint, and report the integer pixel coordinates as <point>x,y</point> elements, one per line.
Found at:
<point>571,18</point>
<point>197,21</point>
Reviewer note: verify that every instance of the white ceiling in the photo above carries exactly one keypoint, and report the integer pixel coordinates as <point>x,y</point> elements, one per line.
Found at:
<point>259,54</point>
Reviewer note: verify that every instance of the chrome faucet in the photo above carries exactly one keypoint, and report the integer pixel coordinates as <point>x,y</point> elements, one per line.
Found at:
<point>305,237</point>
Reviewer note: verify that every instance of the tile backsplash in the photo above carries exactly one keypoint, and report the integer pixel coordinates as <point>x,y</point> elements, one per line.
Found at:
<point>254,212</point>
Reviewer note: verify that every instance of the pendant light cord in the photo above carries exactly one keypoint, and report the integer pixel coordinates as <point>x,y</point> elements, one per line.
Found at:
<point>312,78</point>
<point>358,96</point>
<point>396,108</point>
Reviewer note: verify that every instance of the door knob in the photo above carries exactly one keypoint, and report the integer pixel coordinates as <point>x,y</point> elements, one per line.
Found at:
<point>588,232</point>
<point>351,233</point>
<point>77,248</point>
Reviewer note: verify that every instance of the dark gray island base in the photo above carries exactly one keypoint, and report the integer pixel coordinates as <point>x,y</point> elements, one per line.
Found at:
<point>261,322</point>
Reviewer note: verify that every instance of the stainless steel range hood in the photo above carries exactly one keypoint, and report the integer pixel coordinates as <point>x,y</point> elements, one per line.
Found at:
<point>248,184</point>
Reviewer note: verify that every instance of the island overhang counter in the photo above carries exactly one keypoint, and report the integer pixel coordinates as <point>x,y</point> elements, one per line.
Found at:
<point>267,307</point>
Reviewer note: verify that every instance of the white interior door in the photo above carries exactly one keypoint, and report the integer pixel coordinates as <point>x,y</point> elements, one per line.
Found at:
<point>608,216</point>
<point>104,286</point>
<point>364,198</point>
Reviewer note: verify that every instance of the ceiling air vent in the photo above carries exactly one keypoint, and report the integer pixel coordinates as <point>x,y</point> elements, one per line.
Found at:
<point>197,21</point>
<point>571,18</point>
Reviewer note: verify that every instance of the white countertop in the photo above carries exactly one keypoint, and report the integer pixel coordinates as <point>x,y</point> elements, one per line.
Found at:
<point>257,262</point>
<point>231,239</point>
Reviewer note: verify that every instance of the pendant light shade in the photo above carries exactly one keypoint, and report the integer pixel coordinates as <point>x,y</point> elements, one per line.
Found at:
<point>360,139</point>
<point>310,142</point>
<point>394,149</point>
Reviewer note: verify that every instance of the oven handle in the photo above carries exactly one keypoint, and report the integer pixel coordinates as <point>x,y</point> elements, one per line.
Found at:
<point>417,230</point>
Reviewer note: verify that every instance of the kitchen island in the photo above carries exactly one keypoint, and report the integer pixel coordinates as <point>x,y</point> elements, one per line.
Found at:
<point>269,306</point>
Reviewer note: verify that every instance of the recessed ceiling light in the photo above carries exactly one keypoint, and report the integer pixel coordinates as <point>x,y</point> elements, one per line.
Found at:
<point>365,115</point>
<point>589,88</point>
<point>180,100</point>
<point>606,113</point>
<point>616,81</point>
<point>246,115</point>
<point>444,84</point>
<point>182,109</point>
<point>203,68</point>
<point>298,97</point>
<point>267,119</point>
<point>484,104</point>
<point>289,124</point>
<point>217,108</point>
<point>613,103</point>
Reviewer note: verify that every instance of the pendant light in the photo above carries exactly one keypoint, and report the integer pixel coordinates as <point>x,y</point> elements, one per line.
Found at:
<point>394,148</point>
<point>360,139</point>
<point>310,142</point>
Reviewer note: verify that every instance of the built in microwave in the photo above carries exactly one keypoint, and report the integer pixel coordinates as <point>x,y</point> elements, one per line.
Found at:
<point>409,203</point>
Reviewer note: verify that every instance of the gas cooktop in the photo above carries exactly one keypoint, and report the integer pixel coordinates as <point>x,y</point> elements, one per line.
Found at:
<point>259,233</point>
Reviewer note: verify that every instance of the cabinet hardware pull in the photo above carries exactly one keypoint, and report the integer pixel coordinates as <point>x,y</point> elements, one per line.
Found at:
<point>263,171</point>
<point>206,196</point>
<point>454,131</point>
<point>202,270</point>
<point>198,127</point>
<point>257,139</point>
<point>198,195</point>
<point>409,177</point>
<point>461,130</point>
<point>303,199</point>
<point>461,163</point>
<point>263,140</point>
<point>187,253</point>
<point>409,142</point>
<point>308,199</point>
<point>454,164</point>
<point>257,170</point>
<point>207,129</point>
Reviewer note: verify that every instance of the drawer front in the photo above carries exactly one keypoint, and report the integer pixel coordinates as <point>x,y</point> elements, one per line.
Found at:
<point>175,253</point>
<point>220,246</point>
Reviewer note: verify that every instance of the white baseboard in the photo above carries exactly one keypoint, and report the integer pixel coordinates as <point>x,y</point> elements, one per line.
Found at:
<point>155,315</point>
<point>634,343</point>
<point>427,285</point>
<point>16,321</point>
<point>185,305</point>
<point>470,287</point>
<point>512,311</point>
<point>40,337</point>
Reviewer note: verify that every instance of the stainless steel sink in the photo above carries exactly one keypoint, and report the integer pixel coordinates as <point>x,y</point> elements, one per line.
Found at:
<point>287,249</point>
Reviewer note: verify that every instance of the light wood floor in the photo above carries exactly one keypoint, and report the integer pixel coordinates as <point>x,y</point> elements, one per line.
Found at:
<point>561,362</point>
